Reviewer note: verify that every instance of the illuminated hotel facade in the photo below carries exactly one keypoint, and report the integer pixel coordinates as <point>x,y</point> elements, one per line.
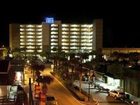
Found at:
<point>47,36</point>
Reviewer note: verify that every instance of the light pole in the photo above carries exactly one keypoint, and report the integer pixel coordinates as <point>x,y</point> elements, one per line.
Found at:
<point>31,102</point>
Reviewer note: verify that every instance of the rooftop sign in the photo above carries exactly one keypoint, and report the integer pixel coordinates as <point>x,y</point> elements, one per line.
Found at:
<point>49,20</point>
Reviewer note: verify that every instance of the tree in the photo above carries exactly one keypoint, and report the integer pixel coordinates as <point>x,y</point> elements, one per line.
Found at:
<point>116,69</point>
<point>80,69</point>
<point>36,68</point>
<point>45,80</point>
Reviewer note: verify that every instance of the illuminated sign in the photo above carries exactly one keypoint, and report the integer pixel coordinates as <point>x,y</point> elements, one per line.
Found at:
<point>49,20</point>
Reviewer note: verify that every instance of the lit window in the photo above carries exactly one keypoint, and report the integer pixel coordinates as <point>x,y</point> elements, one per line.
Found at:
<point>21,29</point>
<point>22,40</point>
<point>65,25</point>
<point>30,47</point>
<point>22,43</point>
<point>54,36</point>
<point>73,47</point>
<point>89,37</point>
<point>64,40</point>
<point>74,29</point>
<point>38,29</point>
<point>54,32</point>
<point>74,36</point>
<point>87,33</point>
<point>65,33</point>
<point>65,43</point>
<point>30,26</point>
<point>29,50</point>
<point>86,44</point>
<point>54,43</point>
<point>30,43</point>
<point>39,26</point>
<point>38,43</point>
<point>74,25</point>
<point>30,33</point>
<point>74,44</point>
<point>30,29</point>
<point>30,37</point>
<point>39,33</point>
<point>54,39</point>
<point>65,50</point>
<point>39,50</point>
<point>38,36</point>
<point>22,33</point>
<point>21,46</point>
<point>73,40</point>
<point>65,29</point>
<point>65,47</point>
<point>74,32</point>
<point>54,25</point>
<point>21,25</point>
<point>87,25</point>
<point>21,36</point>
<point>30,40</point>
<point>64,36</point>
<point>54,28</point>
<point>39,40</point>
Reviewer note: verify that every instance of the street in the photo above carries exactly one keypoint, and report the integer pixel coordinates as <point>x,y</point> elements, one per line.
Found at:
<point>63,96</point>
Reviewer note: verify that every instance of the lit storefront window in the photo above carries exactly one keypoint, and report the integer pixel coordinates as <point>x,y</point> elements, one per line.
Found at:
<point>19,77</point>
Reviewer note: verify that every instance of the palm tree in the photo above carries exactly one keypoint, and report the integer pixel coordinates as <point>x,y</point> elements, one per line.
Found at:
<point>36,68</point>
<point>45,80</point>
<point>80,69</point>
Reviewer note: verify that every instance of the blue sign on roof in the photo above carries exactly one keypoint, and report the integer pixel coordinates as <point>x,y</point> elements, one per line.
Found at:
<point>49,20</point>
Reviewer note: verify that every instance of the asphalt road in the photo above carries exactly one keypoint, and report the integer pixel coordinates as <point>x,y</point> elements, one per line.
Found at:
<point>63,96</point>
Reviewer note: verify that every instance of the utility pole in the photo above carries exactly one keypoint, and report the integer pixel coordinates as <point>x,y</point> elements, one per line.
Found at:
<point>31,102</point>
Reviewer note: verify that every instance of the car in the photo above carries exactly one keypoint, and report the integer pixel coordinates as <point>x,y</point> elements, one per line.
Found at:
<point>51,100</point>
<point>116,94</point>
<point>131,102</point>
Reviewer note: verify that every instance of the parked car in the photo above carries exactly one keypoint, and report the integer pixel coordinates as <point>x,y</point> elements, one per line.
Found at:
<point>51,100</point>
<point>116,94</point>
<point>131,102</point>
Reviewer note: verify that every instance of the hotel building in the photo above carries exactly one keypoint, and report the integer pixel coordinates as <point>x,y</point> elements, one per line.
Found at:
<point>50,35</point>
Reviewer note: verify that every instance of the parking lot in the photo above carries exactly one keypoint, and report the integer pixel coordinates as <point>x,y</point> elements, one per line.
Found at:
<point>100,95</point>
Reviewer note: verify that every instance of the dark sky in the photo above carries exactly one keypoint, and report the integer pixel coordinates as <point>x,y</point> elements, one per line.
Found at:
<point>121,20</point>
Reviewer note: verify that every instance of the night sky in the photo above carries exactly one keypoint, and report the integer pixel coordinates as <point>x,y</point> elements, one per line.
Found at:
<point>121,20</point>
